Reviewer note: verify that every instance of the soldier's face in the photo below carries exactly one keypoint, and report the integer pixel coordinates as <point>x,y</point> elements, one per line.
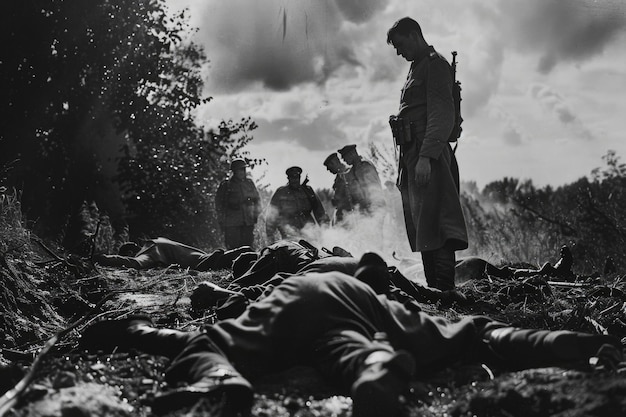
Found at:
<point>240,173</point>
<point>293,179</point>
<point>406,46</point>
<point>333,167</point>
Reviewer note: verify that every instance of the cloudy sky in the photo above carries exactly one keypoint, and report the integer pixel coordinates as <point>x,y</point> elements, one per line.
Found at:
<point>544,81</point>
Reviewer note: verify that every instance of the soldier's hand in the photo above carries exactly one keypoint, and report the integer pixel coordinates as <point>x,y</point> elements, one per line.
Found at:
<point>609,356</point>
<point>422,172</point>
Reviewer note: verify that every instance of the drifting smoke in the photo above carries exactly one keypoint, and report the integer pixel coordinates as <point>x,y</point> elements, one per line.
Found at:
<point>381,232</point>
<point>553,102</point>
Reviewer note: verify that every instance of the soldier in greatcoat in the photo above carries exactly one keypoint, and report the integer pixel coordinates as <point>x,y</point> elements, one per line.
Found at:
<point>341,200</point>
<point>238,206</point>
<point>428,171</point>
<point>365,187</point>
<point>292,207</point>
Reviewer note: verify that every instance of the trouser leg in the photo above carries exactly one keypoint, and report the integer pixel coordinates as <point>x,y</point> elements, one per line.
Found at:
<point>198,352</point>
<point>263,269</point>
<point>341,355</point>
<point>117,261</point>
<point>237,236</point>
<point>231,237</point>
<point>372,372</point>
<point>136,332</point>
<point>504,272</point>
<point>247,236</point>
<point>515,348</point>
<point>439,268</point>
<point>162,342</point>
<point>208,372</point>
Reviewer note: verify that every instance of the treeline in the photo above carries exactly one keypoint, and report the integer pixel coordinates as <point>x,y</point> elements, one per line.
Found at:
<point>98,105</point>
<point>513,221</point>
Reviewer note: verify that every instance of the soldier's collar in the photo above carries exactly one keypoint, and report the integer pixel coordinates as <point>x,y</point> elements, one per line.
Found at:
<point>429,53</point>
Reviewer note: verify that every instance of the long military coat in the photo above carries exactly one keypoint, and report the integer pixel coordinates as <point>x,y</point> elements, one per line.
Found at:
<point>433,213</point>
<point>342,200</point>
<point>365,187</point>
<point>237,202</point>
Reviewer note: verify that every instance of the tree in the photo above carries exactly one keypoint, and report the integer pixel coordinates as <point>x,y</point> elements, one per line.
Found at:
<point>86,79</point>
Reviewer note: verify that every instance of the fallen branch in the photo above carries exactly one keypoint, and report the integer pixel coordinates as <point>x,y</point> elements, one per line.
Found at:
<point>569,284</point>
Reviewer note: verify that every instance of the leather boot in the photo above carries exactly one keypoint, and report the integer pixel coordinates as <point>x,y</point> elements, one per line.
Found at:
<point>206,373</point>
<point>517,348</point>
<point>384,378</point>
<point>439,268</point>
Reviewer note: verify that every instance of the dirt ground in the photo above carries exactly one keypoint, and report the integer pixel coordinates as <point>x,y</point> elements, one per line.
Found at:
<point>42,298</point>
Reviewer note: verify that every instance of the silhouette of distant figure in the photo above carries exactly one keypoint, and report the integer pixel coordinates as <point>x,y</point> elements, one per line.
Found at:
<point>292,207</point>
<point>365,188</point>
<point>341,200</point>
<point>238,206</point>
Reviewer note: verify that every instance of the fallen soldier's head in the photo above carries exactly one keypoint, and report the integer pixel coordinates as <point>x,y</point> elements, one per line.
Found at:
<point>128,249</point>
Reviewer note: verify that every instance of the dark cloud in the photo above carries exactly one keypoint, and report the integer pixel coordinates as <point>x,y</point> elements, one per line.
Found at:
<point>280,44</point>
<point>360,11</point>
<point>560,30</point>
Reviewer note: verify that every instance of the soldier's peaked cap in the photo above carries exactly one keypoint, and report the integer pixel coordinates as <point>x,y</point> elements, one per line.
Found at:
<point>347,149</point>
<point>293,171</point>
<point>332,157</point>
<point>238,163</point>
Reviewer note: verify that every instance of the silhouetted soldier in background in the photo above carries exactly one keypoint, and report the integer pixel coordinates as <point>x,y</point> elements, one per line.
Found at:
<point>365,188</point>
<point>292,207</point>
<point>342,200</point>
<point>238,206</point>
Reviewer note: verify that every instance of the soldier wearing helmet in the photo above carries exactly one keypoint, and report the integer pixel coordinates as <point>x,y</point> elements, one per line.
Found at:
<point>238,206</point>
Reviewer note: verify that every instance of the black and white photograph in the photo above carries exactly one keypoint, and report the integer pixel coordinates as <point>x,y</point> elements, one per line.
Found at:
<point>298,208</point>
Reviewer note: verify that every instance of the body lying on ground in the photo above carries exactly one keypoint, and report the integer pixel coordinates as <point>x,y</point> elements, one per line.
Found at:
<point>286,258</point>
<point>162,252</point>
<point>367,344</point>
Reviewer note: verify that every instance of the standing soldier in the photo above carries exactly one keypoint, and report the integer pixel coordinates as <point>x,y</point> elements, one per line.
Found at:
<point>428,172</point>
<point>366,190</point>
<point>342,200</point>
<point>292,207</point>
<point>238,206</point>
